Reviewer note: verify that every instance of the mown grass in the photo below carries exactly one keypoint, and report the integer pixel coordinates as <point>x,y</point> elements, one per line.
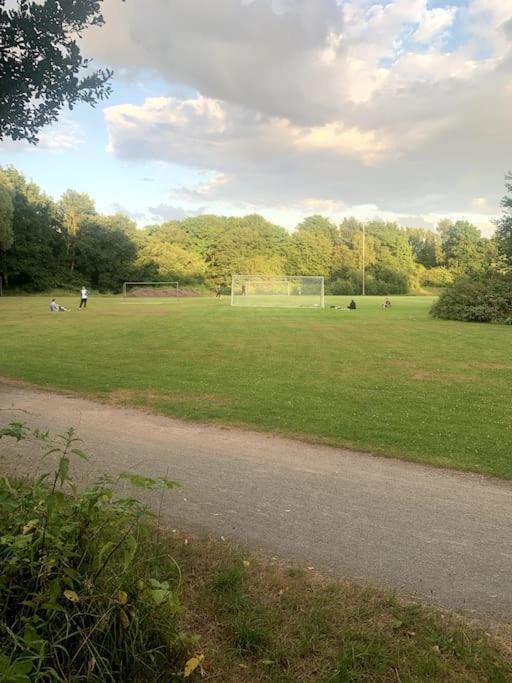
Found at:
<point>393,382</point>
<point>260,621</point>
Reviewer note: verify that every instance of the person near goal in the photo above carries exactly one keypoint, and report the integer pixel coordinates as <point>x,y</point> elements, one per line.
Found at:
<point>84,295</point>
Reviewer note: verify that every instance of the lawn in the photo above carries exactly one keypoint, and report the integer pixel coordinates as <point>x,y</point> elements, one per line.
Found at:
<point>394,382</point>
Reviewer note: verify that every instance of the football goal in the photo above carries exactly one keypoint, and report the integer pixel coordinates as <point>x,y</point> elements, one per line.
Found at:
<point>283,291</point>
<point>151,289</point>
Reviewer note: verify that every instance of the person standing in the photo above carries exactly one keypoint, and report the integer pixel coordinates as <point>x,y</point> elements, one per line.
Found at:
<point>84,295</point>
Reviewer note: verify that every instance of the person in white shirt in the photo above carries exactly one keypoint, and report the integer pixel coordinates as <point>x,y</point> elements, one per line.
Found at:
<point>84,295</point>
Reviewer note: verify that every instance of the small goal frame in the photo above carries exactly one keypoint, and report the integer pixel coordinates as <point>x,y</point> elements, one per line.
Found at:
<point>141,284</point>
<point>292,282</point>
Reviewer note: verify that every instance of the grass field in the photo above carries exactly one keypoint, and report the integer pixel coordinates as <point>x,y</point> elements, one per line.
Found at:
<point>394,382</point>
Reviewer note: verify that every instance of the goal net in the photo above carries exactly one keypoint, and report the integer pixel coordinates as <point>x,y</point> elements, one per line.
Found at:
<point>151,289</point>
<point>284,291</point>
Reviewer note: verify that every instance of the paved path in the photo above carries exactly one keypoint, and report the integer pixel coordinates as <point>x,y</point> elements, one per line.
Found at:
<point>436,535</point>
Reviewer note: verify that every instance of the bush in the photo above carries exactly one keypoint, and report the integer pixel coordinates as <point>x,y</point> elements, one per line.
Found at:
<point>487,299</point>
<point>342,286</point>
<point>82,595</point>
<point>385,281</point>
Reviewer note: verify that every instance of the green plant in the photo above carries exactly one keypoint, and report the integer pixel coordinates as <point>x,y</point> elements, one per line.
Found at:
<point>82,597</point>
<point>484,299</point>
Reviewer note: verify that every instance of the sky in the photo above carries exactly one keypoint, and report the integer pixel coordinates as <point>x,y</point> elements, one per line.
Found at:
<point>399,109</point>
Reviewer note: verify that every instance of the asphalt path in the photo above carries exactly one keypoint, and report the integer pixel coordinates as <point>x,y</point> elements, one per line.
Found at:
<point>431,534</point>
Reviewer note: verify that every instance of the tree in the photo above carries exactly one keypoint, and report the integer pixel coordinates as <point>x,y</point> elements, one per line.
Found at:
<point>171,261</point>
<point>105,251</point>
<point>6,233</point>
<point>35,261</point>
<point>466,251</point>
<point>41,66</point>
<point>504,225</point>
<point>426,247</point>
<point>310,254</point>
<point>242,240</point>
<point>75,208</point>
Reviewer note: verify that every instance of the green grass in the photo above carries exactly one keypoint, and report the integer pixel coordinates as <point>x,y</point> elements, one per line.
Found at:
<point>259,621</point>
<point>393,382</point>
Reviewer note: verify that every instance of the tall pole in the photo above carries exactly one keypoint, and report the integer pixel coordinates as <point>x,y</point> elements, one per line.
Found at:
<point>364,259</point>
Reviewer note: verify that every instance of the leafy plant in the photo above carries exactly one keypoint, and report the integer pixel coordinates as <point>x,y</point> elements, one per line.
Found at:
<point>81,598</point>
<point>484,299</point>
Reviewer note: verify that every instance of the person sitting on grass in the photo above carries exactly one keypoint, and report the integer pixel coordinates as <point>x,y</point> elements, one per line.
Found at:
<point>55,307</point>
<point>352,305</point>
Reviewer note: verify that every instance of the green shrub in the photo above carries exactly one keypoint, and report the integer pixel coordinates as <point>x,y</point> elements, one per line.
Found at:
<point>82,595</point>
<point>486,299</point>
<point>341,286</point>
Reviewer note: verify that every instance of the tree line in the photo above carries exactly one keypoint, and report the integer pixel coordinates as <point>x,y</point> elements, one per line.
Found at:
<point>47,244</point>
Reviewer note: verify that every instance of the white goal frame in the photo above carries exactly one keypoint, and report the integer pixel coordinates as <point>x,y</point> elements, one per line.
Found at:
<point>277,299</point>
<point>142,284</point>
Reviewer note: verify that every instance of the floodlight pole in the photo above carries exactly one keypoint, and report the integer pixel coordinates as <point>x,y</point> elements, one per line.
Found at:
<point>364,259</point>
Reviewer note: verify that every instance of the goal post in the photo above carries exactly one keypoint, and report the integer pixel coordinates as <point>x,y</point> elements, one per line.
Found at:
<point>151,289</point>
<point>278,291</point>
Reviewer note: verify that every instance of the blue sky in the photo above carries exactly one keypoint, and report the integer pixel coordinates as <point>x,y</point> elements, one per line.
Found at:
<point>290,108</point>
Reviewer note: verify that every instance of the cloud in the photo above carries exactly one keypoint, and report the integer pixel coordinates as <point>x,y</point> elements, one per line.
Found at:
<point>169,212</point>
<point>434,23</point>
<point>64,136</point>
<point>393,105</point>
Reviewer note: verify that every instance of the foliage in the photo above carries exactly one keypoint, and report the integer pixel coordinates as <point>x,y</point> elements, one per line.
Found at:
<point>68,244</point>
<point>105,251</point>
<point>75,208</point>
<point>504,224</point>
<point>484,299</point>
<point>80,597</point>
<point>41,64</point>
<point>6,215</point>
<point>170,261</point>
<point>426,247</point>
<point>6,218</point>
<point>436,277</point>
<point>36,259</point>
<point>466,252</point>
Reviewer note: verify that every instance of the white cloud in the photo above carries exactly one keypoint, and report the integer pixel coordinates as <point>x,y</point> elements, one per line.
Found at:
<point>434,23</point>
<point>64,136</point>
<point>317,103</point>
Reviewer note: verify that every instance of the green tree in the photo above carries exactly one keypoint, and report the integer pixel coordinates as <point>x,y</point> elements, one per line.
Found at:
<point>466,251</point>
<point>41,64</point>
<point>426,247</point>
<point>75,208</point>
<point>6,231</point>
<point>105,251</point>
<point>35,261</point>
<point>504,224</point>
<point>242,240</point>
<point>170,261</point>
<point>310,254</point>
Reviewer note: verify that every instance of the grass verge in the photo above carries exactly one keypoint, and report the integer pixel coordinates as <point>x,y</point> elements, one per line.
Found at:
<point>261,621</point>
